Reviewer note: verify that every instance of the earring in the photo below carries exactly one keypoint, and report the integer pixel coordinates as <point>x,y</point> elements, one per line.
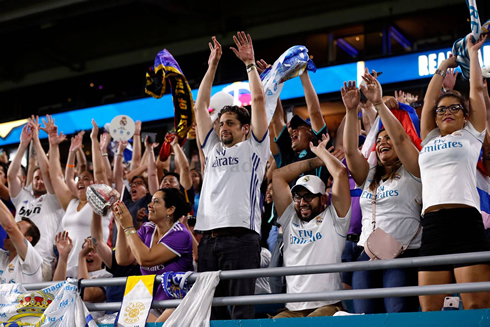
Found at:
<point>168,216</point>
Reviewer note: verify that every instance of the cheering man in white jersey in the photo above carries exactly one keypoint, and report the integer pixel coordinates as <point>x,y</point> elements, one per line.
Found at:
<point>229,209</point>
<point>313,233</point>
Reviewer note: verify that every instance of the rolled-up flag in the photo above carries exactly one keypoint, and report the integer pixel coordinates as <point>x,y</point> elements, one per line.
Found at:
<point>292,63</point>
<point>165,71</point>
<point>460,49</point>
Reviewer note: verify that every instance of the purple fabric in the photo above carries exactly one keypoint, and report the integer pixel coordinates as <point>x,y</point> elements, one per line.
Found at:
<point>356,214</point>
<point>179,240</point>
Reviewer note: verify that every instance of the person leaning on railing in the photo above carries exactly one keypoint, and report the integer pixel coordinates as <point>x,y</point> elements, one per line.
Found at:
<point>452,137</point>
<point>394,183</point>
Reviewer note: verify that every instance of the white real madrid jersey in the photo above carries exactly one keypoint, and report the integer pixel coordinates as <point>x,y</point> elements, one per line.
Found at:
<point>230,195</point>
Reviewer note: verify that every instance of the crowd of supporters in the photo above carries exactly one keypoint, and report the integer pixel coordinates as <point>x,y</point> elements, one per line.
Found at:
<point>259,188</point>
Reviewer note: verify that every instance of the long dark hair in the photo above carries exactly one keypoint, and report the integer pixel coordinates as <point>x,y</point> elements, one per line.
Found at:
<point>456,95</point>
<point>381,170</point>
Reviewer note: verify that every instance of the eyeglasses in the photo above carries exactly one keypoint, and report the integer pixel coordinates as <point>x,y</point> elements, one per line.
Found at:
<point>454,108</point>
<point>308,197</point>
<point>136,183</point>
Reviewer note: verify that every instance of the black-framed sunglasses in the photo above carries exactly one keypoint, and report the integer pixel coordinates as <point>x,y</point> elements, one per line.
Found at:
<point>308,197</point>
<point>453,108</point>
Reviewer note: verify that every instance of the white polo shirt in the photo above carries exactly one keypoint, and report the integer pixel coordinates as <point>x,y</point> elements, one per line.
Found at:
<point>21,271</point>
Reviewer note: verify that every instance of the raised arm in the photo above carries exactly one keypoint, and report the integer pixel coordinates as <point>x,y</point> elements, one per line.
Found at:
<point>81,161</point>
<point>427,121</point>
<point>32,164</point>
<point>340,187</point>
<point>105,139</point>
<point>153,181</point>
<point>312,102</point>
<point>64,244</point>
<point>61,190</point>
<point>76,143</point>
<point>478,113</point>
<point>283,176</point>
<point>41,155</point>
<point>181,160</point>
<point>356,162</point>
<point>245,52</point>
<point>136,160</point>
<point>97,159</point>
<point>145,256</point>
<point>404,148</point>
<point>15,184</point>
<point>118,166</point>
<point>203,99</point>
<point>14,233</point>
<point>101,247</point>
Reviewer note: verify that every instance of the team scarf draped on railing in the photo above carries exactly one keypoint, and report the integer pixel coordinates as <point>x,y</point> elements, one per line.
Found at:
<point>292,63</point>
<point>136,304</point>
<point>57,305</point>
<point>460,49</point>
<point>167,70</point>
<point>407,116</point>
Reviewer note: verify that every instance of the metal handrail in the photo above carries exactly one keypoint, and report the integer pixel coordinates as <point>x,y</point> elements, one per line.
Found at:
<point>412,262</point>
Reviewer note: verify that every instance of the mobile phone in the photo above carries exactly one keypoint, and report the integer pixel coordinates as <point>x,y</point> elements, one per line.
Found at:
<point>152,137</point>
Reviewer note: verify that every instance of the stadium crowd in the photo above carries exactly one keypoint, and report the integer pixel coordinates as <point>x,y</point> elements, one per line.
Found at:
<point>284,187</point>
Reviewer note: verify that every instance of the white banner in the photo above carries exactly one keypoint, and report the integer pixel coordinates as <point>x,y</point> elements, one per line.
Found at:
<point>57,305</point>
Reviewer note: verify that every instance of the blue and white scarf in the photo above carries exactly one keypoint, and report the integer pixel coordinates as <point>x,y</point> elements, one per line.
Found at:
<point>292,63</point>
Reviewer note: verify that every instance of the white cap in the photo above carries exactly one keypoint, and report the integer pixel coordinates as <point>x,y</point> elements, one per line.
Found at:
<point>312,183</point>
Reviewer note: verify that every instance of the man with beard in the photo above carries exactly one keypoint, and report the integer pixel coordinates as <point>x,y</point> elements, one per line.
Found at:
<point>229,209</point>
<point>19,262</point>
<point>313,232</point>
<point>40,205</point>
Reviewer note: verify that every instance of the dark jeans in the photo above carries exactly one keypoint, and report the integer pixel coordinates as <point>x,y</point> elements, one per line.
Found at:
<point>231,252</point>
<point>351,253</point>
<point>386,278</point>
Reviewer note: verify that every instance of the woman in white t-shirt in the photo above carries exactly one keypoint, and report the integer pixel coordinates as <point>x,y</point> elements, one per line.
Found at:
<point>395,184</point>
<point>452,139</point>
<point>78,214</point>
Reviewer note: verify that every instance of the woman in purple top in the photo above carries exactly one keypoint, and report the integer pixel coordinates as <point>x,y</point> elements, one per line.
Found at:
<point>162,244</point>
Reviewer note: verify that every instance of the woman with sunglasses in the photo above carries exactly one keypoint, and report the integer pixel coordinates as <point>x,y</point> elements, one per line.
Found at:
<point>452,137</point>
<point>394,184</point>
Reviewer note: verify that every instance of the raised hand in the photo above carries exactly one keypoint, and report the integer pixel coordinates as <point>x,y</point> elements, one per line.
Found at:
<point>47,123</point>
<point>105,139</point>
<point>76,142</point>
<point>89,247</point>
<point>373,90</point>
<point>350,95</point>
<point>137,127</point>
<point>411,98</point>
<point>54,138</point>
<point>322,146</point>
<point>122,215</point>
<point>262,65</point>
<point>400,96</point>
<point>216,52</point>
<point>64,244</point>
<point>245,49</point>
<point>34,126</point>
<point>95,130</point>
<point>25,135</point>
<point>450,80</point>
<point>141,214</point>
<point>149,145</point>
<point>121,146</point>
<point>474,47</point>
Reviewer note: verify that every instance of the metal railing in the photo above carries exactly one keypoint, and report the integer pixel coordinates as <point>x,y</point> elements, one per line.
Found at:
<point>414,262</point>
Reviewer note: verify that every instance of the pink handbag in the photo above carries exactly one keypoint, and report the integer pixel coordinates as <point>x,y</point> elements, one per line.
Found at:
<point>381,245</point>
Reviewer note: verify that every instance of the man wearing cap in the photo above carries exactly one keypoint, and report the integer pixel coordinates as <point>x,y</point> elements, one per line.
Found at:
<point>293,140</point>
<point>314,233</point>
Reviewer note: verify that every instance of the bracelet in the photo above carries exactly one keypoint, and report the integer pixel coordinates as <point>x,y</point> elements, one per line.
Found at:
<point>136,134</point>
<point>131,231</point>
<point>70,166</point>
<point>105,154</point>
<point>128,228</point>
<point>377,104</point>
<point>250,67</point>
<point>440,72</point>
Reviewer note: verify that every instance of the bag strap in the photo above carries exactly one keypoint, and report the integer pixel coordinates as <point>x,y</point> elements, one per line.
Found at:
<point>373,202</point>
<point>417,233</point>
